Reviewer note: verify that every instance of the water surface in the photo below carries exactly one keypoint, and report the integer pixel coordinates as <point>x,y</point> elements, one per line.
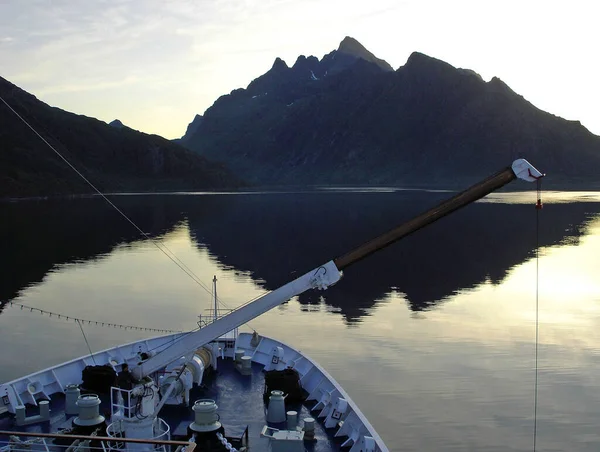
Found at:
<point>433,337</point>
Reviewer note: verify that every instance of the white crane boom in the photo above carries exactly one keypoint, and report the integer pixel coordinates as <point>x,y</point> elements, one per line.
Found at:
<point>330,273</point>
<point>320,278</point>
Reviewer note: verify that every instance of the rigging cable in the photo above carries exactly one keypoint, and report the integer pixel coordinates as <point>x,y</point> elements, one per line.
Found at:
<point>162,247</point>
<point>89,322</point>
<point>538,207</point>
<point>87,343</point>
<point>165,250</point>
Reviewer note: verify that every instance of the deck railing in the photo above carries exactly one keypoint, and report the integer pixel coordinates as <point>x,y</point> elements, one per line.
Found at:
<point>81,443</point>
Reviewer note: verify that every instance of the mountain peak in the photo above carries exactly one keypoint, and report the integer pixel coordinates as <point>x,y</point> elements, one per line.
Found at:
<point>192,127</point>
<point>279,64</point>
<point>117,124</point>
<point>418,58</point>
<point>306,64</point>
<point>497,85</point>
<point>350,46</point>
<point>424,64</point>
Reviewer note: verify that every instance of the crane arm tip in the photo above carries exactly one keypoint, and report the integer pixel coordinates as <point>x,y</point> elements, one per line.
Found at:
<point>526,171</point>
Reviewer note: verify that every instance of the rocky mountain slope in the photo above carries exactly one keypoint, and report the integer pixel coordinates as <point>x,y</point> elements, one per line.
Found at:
<point>113,158</point>
<point>350,119</point>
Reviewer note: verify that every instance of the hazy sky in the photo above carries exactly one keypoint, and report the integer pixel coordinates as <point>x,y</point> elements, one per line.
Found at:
<point>154,64</point>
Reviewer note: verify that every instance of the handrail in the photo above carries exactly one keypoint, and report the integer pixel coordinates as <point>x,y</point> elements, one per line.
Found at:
<point>189,446</point>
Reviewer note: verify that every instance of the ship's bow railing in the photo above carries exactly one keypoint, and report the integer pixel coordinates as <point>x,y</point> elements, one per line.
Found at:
<point>50,442</point>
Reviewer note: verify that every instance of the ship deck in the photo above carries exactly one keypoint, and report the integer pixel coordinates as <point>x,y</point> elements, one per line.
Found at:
<point>240,406</point>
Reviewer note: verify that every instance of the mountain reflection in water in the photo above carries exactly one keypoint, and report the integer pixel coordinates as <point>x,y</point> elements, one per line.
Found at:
<point>276,237</point>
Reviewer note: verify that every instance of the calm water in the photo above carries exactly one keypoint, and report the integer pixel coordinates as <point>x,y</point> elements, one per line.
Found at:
<point>433,338</point>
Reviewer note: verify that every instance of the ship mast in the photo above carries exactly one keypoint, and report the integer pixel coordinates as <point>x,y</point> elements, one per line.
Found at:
<point>215,314</point>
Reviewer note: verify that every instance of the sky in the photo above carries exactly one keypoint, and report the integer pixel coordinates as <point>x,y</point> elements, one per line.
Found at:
<point>155,64</point>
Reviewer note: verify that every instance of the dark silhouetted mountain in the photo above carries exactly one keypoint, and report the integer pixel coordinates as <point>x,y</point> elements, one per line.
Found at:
<point>348,119</point>
<point>112,158</point>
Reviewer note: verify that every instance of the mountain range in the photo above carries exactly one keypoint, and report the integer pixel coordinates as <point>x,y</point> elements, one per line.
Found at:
<point>349,118</point>
<point>346,119</point>
<point>114,157</point>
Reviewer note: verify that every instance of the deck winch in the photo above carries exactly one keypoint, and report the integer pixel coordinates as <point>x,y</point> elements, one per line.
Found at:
<point>89,411</point>
<point>206,418</point>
